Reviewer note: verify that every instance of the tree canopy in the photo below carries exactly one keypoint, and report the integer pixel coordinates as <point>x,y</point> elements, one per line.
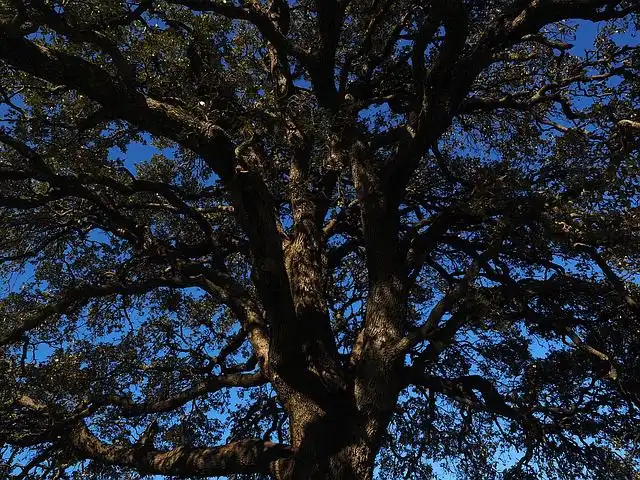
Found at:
<point>339,239</point>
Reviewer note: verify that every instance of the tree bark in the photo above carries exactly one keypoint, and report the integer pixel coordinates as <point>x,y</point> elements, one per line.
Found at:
<point>340,445</point>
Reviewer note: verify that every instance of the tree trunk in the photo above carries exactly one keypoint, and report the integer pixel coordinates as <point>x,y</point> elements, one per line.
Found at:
<point>338,446</point>
<point>338,411</point>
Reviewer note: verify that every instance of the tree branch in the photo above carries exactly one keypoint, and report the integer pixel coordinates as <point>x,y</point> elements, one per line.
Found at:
<point>79,296</point>
<point>451,77</point>
<point>170,121</point>
<point>255,15</point>
<point>461,389</point>
<point>617,283</point>
<point>244,456</point>
<point>212,384</point>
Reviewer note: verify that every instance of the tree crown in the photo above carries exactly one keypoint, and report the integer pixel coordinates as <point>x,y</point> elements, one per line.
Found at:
<point>306,239</point>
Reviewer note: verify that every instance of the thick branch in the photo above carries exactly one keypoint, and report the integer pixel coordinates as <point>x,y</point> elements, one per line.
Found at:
<point>244,456</point>
<point>156,117</point>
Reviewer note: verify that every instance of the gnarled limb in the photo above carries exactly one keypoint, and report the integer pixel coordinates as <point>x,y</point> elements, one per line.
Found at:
<point>244,456</point>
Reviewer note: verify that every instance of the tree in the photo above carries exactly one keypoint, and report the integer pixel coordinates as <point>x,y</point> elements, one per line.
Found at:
<point>374,238</point>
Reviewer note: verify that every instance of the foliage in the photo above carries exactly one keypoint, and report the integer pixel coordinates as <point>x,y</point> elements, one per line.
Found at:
<point>335,239</point>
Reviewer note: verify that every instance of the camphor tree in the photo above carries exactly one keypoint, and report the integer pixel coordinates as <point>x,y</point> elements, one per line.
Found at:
<point>375,239</point>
